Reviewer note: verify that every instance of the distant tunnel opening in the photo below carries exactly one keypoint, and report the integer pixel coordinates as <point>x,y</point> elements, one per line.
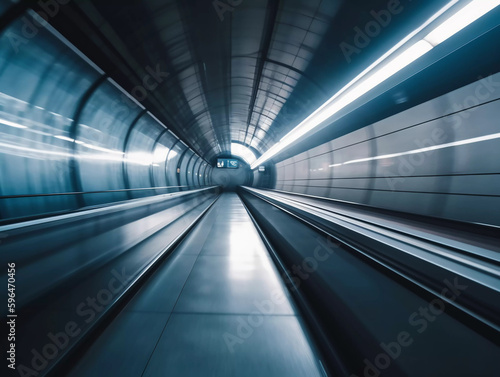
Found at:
<point>230,179</point>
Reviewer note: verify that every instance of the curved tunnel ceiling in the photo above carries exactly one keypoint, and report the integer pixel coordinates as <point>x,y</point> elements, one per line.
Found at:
<point>247,73</point>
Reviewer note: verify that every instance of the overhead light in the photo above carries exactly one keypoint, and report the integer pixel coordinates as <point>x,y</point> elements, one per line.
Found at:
<point>244,152</point>
<point>386,66</point>
<point>383,73</point>
<point>11,124</point>
<point>349,96</point>
<point>464,17</point>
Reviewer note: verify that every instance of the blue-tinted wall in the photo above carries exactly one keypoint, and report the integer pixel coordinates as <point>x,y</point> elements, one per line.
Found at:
<point>440,158</point>
<point>65,127</point>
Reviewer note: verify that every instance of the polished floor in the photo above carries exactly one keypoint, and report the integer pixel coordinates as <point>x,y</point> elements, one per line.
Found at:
<point>216,307</point>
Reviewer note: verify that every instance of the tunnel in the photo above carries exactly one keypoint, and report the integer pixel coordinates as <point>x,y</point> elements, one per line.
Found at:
<point>272,188</point>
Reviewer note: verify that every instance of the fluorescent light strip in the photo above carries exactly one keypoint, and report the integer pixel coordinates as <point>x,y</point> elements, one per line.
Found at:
<point>329,113</point>
<point>354,90</point>
<point>405,58</point>
<point>392,67</point>
<point>244,152</point>
<point>464,17</point>
<point>11,124</point>
<point>377,62</point>
<point>423,150</point>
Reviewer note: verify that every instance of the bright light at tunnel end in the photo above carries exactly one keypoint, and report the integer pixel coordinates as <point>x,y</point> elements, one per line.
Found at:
<point>243,152</point>
<point>398,57</point>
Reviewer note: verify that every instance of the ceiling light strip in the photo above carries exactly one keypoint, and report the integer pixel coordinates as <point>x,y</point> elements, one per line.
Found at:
<point>377,73</point>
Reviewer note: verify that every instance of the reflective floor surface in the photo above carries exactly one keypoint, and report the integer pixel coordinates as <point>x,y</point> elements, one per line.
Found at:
<point>216,307</point>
